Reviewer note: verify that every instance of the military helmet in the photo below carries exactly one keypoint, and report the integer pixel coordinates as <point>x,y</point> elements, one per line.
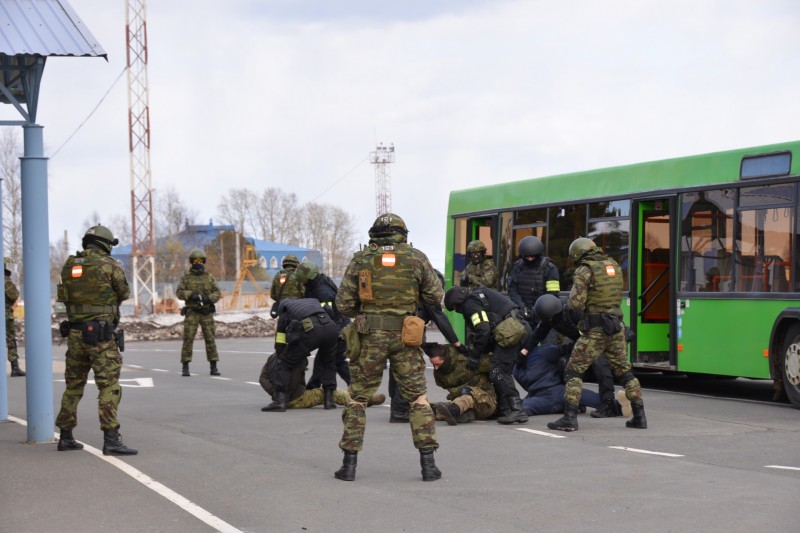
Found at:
<point>8,263</point>
<point>476,247</point>
<point>530,246</point>
<point>197,253</point>
<point>290,261</point>
<point>100,236</point>
<point>581,247</point>
<point>455,297</point>
<point>388,224</point>
<point>547,306</point>
<point>306,272</point>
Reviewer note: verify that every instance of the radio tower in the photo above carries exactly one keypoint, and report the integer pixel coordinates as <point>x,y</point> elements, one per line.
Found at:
<point>143,246</point>
<point>381,158</point>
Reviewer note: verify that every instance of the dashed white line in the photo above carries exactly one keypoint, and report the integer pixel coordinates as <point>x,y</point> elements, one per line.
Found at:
<point>184,503</point>
<point>636,450</point>
<point>783,467</point>
<point>134,366</point>
<point>252,383</point>
<point>221,378</point>
<point>541,433</point>
<point>159,370</point>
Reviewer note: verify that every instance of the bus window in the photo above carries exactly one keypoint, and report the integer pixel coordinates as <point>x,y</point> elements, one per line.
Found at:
<point>459,249</point>
<point>763,251</point>
<point>707,241</point>
<point>613,236</point>
<point>506,249</point>
<point>566,224</point>
<point>468,230</point>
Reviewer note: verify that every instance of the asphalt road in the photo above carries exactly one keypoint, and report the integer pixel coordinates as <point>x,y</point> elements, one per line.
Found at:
<point>211,460</point>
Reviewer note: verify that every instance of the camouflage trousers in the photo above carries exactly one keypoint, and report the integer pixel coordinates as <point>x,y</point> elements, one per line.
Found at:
<point>11,339</point>
<point>588,348</point>
<point>483,403</point>
<point>366,372</point>
<point>314,397</point>
<point>106,362</point>
<point>190,324</point>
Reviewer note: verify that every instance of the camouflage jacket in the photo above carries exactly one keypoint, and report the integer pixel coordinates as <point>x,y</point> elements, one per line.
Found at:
<point>421,279</point>
<point>12,293</point>
<point>202,283</point>
<point>453,374</point>
<point>597,286</point>
<point>93,285</point>
<point>483,274</point>
<point>284,286</point>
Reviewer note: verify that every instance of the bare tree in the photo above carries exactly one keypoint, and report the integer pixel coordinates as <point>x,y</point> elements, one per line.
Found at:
<point>10,152</point>
<point>341,241</point>
<point>236,209</point>
<point>59,252</point>
<point>276,217</point>
<point>171,215</point>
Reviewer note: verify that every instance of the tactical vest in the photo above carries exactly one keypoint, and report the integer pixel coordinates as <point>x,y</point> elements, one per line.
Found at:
<point>85,293</point>
<point>496,305</point>
<point>530,281</point>
<point>394,287</point>
<point>607,285</point>
<point>287,287</point>
<point>199,283</point>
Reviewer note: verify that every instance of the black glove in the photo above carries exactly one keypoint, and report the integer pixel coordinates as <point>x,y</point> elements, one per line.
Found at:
<point>465,391</point>
<point>464,280</point>
<point>463,350</point>
<point>526,313</point>
<point>273,313</point>
<point>194,297</point>
<point>473,364</point>
<point>206,300</point>
<point>521,359</point>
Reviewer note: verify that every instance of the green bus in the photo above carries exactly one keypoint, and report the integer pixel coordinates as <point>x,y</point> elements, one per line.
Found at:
<point>706,243</point>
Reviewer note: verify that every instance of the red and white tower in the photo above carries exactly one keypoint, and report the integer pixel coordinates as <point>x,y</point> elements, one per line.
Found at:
<point>381,158</point>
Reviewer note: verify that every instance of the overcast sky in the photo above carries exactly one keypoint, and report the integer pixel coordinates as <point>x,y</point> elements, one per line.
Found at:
<point>295,94</point>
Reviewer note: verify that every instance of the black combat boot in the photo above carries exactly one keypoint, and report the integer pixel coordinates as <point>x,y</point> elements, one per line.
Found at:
<point>278,403</point>
<point>329,403</point>
<point>399,417</point>
<point>67,443</point>
<point>348,470</point>
<point>638,421</point>
<point>608,409</point>
<point>16,370</point>
<point>568,422</point>
<point>428,464</point>
<point>214,370</point>
<point>113,445</point>
<point>185,371</point>
<point>516,413</point>
<point>449,411</point>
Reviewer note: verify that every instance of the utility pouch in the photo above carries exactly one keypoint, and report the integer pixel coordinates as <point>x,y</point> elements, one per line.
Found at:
<point>308,325</point>
<point>61,292</point>
<point>106,331</point>
<point>119,335</point>
<point>611,323</point>
<point>63,328</point>
<point>183,311</point>
<point>361,324</point>
<point>365,285</point>
<point>509,332</point>
<point>413,331</point>
<point>90,333</point>
<point>353,341</point>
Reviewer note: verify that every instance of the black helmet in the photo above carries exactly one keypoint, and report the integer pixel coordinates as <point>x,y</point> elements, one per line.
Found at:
<point>101,237</point>
<point>290,260</point>
<point>530,246</point>
<point>455,297</point>
<point>547,306</point>
<point>388,224</point>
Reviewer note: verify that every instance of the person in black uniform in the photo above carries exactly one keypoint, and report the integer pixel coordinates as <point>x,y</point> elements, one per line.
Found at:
<point>304,325</point>
<point>531,276</point>
<point>494,326</point>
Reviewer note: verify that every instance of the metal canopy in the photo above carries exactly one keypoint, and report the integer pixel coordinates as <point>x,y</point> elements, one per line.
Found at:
<point>31,31</point>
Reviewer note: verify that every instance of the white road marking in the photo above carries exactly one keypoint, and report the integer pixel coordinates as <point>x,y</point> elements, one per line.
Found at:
<point>134,366</point>
<point>541,433</point>
<point>137,382</point>
<point>220,378</point>
<point>783,467</point>
<point>624,448</point>
<point>159,370</point>
<point>187,505</point>
<point>252,383</point>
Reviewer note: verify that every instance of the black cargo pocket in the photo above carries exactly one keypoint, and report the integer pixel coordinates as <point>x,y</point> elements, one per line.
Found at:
<point>611,324</point>
<point>90,333</point>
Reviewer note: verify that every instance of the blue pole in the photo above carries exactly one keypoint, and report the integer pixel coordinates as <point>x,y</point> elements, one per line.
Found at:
<point>36,253</point>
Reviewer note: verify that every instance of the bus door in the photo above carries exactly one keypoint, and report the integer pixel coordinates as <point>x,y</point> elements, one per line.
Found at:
<point>482,228</point>
<point>652,275</point>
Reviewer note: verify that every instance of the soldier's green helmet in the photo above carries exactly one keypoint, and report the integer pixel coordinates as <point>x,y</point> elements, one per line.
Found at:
<point>197,253</point>
<point>388,224</point>
<point>547,306</point>
<point>101,237</point>
<point>530,246</point>
<point>455,297</point>
<point>306,272</point>
<point>290,261</point>
<point>581,247</point>
<point>476,247</point>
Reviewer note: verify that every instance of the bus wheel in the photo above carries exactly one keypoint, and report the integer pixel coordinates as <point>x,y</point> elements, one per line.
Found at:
<point>791,364</point>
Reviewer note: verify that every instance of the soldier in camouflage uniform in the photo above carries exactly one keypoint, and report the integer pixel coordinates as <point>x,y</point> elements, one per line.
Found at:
<point>595,298</point>
<point>470,392</point>
<point>12,293</point>
<point>297,395</point>
<point>285,284</point>
<point>200,291</point>
<point>481,271</point>
<point>380,289</point>
<point>93,285</point>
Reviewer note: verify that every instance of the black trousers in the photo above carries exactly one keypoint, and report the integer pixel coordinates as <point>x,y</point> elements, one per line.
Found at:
<point>323,337</point>
<point>341,364</point>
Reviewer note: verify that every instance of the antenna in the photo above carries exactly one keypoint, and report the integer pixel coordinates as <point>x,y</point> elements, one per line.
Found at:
<point>381,158</point>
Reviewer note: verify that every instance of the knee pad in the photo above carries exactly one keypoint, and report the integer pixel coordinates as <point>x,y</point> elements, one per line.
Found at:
<point>495,376</point>
<point>569,374</point>
<point>625,378</point>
